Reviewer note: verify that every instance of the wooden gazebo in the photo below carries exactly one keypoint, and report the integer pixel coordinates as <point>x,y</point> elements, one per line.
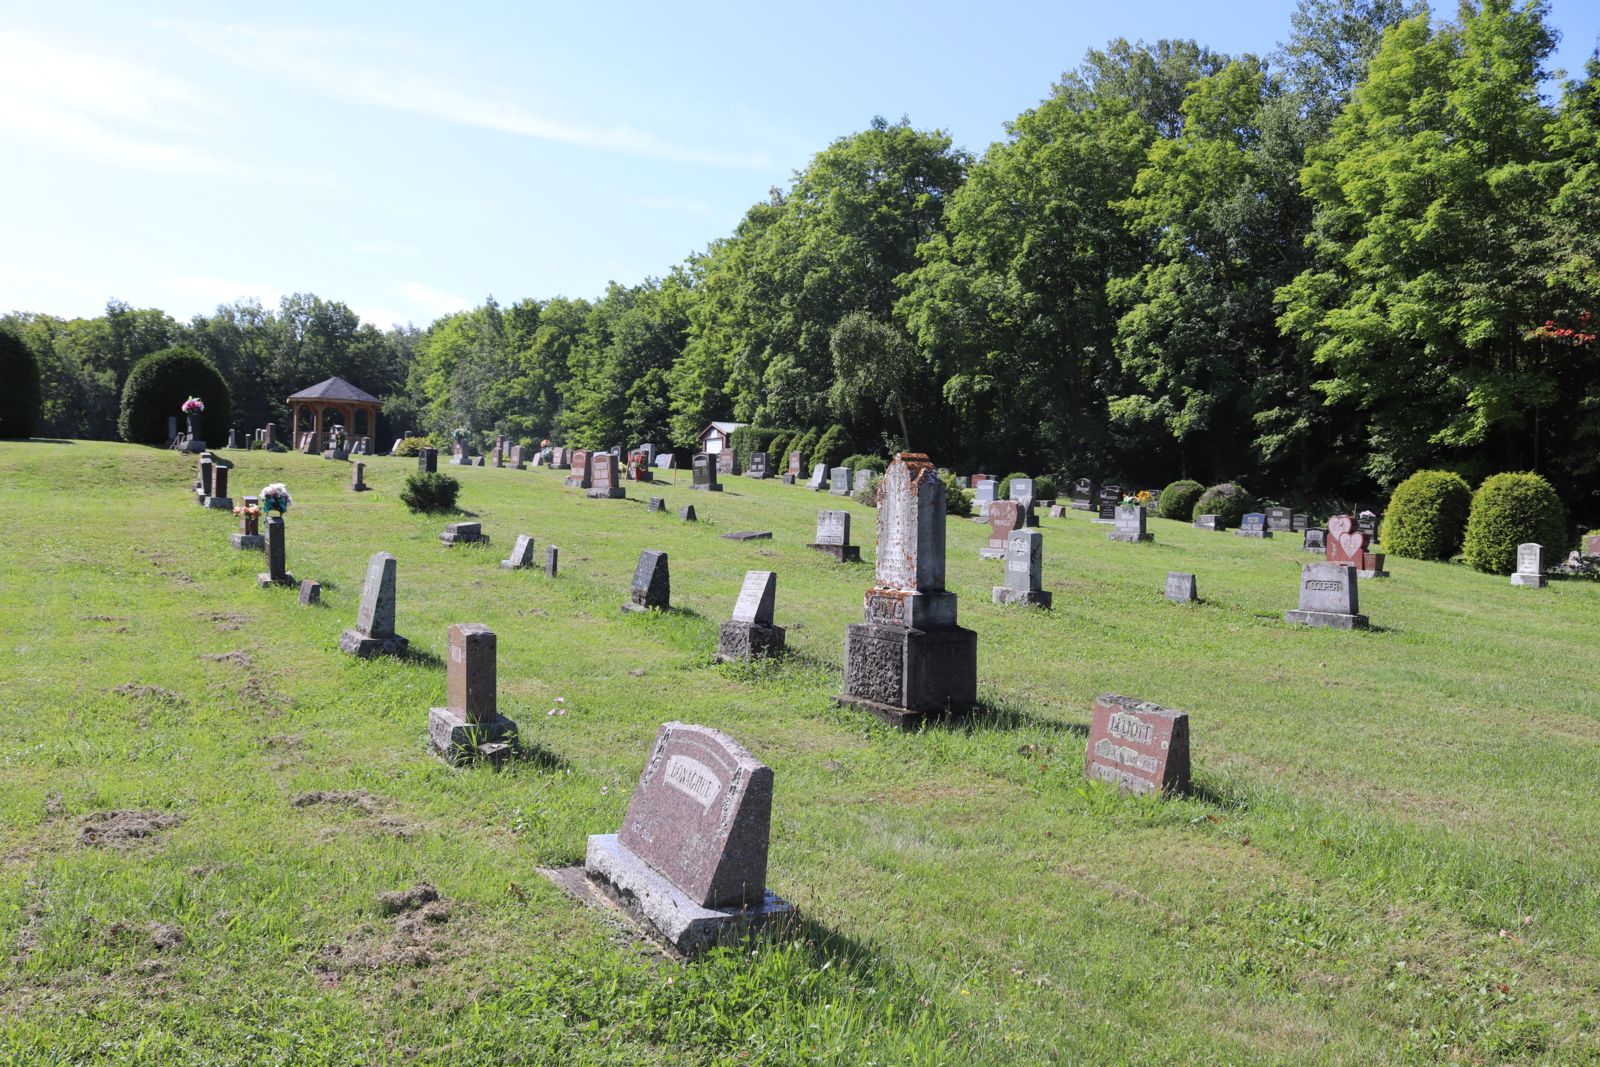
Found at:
<point>340,398</point>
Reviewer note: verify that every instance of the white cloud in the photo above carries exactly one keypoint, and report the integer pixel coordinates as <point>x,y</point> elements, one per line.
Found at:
<point>293,56</point>
<point>432,302</point>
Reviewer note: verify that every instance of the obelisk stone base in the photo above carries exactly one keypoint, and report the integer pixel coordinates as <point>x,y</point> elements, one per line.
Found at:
<point>248,542</point>
<point>906,676</point>
<point>1039,598</point>
<point>266,579</point>
<point>841,553</point>
<point>748,640</point>
<point>358,644</point>
<point>459,741</point>
<point>1326,618</point>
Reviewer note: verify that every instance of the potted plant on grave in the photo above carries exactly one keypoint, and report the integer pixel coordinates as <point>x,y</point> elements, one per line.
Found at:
<point>275,497</point>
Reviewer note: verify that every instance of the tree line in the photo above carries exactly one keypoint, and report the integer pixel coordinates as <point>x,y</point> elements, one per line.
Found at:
<point>1370,252</point>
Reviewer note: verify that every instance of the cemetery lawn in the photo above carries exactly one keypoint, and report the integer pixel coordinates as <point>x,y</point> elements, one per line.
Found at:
<point>1392,856</point>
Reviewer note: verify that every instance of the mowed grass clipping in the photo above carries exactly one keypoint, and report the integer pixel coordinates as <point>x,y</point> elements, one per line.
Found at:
<point>1391,856</point>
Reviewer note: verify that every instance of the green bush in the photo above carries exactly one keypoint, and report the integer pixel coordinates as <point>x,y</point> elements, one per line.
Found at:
<point>832,446</point>
<point>1227,501</point>
<point>1177,499</point>
<point>866,487</point>
<point>21,398</point>
<point>1427,516</point>
<point>1508,510</point>
<point>158,385</point>
<point>863,462</point>
<point>957,501</point>
<point>1044,487</point>
<point>748,439</point>
<point>410,446</point>
<point>778,452</point>
<point>429,491</point>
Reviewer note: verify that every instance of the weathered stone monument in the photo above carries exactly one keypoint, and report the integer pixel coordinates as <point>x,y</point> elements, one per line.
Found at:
<point>982,498</point>
<point>1130,525</point>
<point>1058,511</point>
<point>428,460</point>
<point>909,659</point>
<point>521,556</point>
<point>578,476</point>
<point>470,726</point>
<point>461,452</point>
<point>751,634</point>
<point>1207,522</point>
<point>310,592</point>
<point>374,634</point>
<point>552,560</point>
<point>277,572</point>
<point>1347,544</point>
<point>839,481</point>
<point>690,863</point>
<point>358,477</point>
<point>652,585</point>
<point>727,461</point>
<point>833,537</point>
<point>1314,539</point>
<point>1530,566</point>
<point>686,513</point>
<point>1253,524</point>
<point>796,465</point>
<point>654,504</point>
<point>1024,580</point>
<point>605,478</point>
<point>1181,588</point>
<point>819,478</point>
<point>463,533</point>
<point>1137,746</point>
<point>1280,520</point>
<point>1301,521</point>
<point>758,465</point>
<point>1328,597</point>
<point>1021,490</point>
<point>705,473</point>
<point>1003,515</point>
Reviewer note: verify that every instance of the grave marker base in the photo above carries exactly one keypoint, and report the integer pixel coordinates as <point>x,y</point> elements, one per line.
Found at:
<point>218,503</point>
<point>708,488</point>
<point>626,882</point>
<point>264,580</point>
<point>447,539</point>
<point>991,553</point>
<point>841,553</point>
<point>336,453</point>
<point>1258,534</point>
<point>458,741</point>
<point>248,542</point>
<point>748,640</point>
<point>614,493</point>
<point>1531,581</point>
<point>359,645</point>
<point>905,676</point>
<point>1039,598</point>
<point>1135,538</point>
<point>788,479</point>
<point>1326,618</point>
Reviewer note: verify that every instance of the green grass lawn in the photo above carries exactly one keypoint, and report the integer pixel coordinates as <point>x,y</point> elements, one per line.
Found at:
<point>1392,856</point>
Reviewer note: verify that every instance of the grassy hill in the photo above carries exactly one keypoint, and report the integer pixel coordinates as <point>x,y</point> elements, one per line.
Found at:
<point>209,817</point>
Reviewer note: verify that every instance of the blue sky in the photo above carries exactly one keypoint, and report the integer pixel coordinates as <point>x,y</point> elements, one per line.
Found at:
<point>411,159</point>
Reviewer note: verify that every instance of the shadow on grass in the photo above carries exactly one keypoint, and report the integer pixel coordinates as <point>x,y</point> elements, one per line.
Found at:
<point>421,657</point>
<point>47,441</point>
<point>532,754</point>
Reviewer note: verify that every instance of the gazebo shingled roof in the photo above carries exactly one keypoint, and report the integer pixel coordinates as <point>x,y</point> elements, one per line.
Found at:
<point>335,389</point>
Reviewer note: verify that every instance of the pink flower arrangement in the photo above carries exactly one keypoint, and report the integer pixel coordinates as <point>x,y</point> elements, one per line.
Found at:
<point>275,497</point>
<point>193,406</point>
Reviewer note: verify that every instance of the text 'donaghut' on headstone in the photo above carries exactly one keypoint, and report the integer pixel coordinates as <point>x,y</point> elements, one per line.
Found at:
<point>690,862</point>
<point>1138,746</point>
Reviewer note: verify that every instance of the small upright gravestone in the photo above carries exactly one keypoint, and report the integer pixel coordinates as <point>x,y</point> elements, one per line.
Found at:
<point>750,634</point>
<point>796,466</point>
<point>1253,525</point>
<point>218,497</point>
<point>277,569</point>
<point>1058,511</point>
<point>1137,746</point>
<point>249,535</point>
<point>358,477</point>
<point>552,559</point>
<point>519,458</point>
<point>1207,522</point>
<point>521,554</point>
<point>1024,571</point>
<point>464,533</point>
<point>1084,494</point>
<point>1328,597</point>
<point>1181,588</point>
<point>1530,566</point>
<point>839,481</point>
<point>373,634</point>
<point>652,584</point>
<point>1130,525</point>
<point>819,478</point>
<point>1300,521</point>
<point>605,479</point>
<point>470,725</point>
<point>233,439</point>
<point>1347,544</point>
<point>758,465</point>
<point>578,476</point>
<point>1280,520</point>
<point>1022,493</point>
<point>690,862</point>
<point>983,497</point>
<point>704,477</point>
<point>656,504</point>
<point>1314,539</point>
<point>686,513</point>
<point>310,593</point>
<point>1003,515</point>
<point>428,460</point>
<point>1107,502</point>
<point>833,537</point>
<point>461,453</point>
<point>727,461</point>
<point>908,659</point>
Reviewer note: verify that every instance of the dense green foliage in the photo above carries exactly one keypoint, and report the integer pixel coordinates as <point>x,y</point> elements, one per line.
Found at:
<point>430,491</point>
<point>1512,509</point>
<point>19,401</point>
<point>155,391</point>
<point>1426,517</point>
<point>1374,251</point>
<point>863,462</point>
<point>957,501</point>
<point>411,446</point>
<point>831,447</point>
<point>748,439</point>
<point>1178,499</point>
<point>1228,501</point>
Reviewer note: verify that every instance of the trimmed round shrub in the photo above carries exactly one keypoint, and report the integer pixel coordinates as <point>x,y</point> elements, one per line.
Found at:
<point>1508,510</point>
<point>1178,498</point>
<point>1427,516</point>
<point>1228,501</point>
<point>1044,487</point>
<point>778,452</point>
<point>863,462</point>
<point>805,444</point>
<point>957,501</point>
<point>832,447</point>
<point>158,385</point>
<point>410,446</point>
<point>21,398</point>
<point>430,491</point>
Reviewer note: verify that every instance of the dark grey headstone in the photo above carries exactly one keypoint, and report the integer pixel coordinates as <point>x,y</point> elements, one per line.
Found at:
<point>839,481</point>
<point>374,630</point>
<point>705,473</point>
<point>277,566</point>
<point>552,559</point>
<point>310,593</point>
<point>652,585</point>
